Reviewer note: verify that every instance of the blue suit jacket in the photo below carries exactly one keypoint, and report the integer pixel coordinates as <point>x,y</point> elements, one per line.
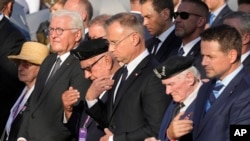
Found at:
<point>231,107</point>
<point>168,118</point>
<point>223,13</point>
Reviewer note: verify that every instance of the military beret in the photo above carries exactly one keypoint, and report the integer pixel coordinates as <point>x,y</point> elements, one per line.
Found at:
<point>173,66</point>
<point>90,48</point>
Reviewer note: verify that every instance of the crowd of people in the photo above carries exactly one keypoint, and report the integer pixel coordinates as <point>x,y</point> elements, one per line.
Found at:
<point>167,70</point>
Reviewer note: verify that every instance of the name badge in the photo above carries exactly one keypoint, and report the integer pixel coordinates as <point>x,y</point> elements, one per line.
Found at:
<point>82,134</point>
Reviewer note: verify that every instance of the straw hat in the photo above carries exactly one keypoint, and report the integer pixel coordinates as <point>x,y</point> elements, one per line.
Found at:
<point>32,52</point>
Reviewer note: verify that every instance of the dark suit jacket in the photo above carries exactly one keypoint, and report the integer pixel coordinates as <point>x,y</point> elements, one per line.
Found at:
<point>139,106</point>
<point>168,118</point>
<point>11,41</point>
<point>219,19</point>
<point>43,117</point>
<point>231,107</point>
<point>169,44</point>
<point>78,118</point>
<point>246,63</point>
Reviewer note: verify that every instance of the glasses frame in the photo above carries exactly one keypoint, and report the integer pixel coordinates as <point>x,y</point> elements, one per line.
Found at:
<point>184,15</point>
<point>116,43</point>
<point>89,67</point>
<point>58,30</point>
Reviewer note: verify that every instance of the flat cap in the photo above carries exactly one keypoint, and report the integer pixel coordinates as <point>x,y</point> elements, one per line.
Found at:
<point>90,48</point>
<point>173,66</point>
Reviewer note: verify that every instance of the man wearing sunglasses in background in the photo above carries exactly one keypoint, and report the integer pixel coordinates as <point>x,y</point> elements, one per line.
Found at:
<point>99,66</point>
<point>190,21</point>
<point>158,18</point>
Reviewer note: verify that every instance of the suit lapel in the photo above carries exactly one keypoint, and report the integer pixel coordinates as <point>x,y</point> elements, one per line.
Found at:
<point>131,78</point>
<point>222,99</point>
<point>54,78</point>
<point>195,50</point>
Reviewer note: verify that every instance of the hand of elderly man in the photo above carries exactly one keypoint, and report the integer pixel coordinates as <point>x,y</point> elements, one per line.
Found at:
<point>69,97</point>
<point>98,86</point>
<point>179,127</point>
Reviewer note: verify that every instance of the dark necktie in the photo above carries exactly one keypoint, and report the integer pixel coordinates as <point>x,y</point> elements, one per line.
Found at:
<point>177,109</point>
<point>181,51</point>
<point>156,44</point>
<point>123,79</point>
<point>214,94</point>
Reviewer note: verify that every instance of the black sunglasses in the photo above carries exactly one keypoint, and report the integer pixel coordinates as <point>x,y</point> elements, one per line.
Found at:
<point>184,15</point>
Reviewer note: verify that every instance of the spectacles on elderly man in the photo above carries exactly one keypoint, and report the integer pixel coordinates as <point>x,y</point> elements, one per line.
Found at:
<point>89,68</point>
<point>58,30</point>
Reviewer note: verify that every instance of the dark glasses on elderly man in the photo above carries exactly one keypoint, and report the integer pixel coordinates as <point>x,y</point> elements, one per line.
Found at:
<point>184,15</point>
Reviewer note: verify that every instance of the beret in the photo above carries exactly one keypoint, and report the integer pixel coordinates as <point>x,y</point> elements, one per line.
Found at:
<point>90,48</point>
<point>173,66</point>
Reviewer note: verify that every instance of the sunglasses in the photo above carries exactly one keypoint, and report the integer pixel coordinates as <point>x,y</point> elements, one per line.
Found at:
<point>184,15</point>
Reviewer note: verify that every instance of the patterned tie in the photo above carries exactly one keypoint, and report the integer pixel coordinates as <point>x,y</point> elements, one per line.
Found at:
<point>211,19</point>
<point>177,109</point>
<point>214,95</point>
<point>181,51</point>
<point>156,44</point>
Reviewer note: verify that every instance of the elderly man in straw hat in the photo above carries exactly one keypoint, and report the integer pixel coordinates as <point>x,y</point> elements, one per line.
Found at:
<point>29,60</point>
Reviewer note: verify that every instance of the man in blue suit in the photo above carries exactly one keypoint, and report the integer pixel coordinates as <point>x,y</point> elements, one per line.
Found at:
<point>218,108</point>
<point>182,81</point>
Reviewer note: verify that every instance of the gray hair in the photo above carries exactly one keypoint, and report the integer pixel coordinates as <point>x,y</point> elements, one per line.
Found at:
<point>193,70</point>
<point>76,19</point>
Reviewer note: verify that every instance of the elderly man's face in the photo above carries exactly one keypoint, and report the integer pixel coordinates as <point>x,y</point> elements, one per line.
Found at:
<point>63,37</point>
<point>178,87</point>
<point>96,67</point>
<point>27,72</point>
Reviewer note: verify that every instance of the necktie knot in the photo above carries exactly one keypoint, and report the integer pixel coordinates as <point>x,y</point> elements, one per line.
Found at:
<point>156,43</point>
<point>211,18</point>
<point>181,51</point>
<point>177,108</point>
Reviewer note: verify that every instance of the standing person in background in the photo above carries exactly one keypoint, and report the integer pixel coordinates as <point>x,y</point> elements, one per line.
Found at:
<point>133,110</point>
<point>224,100</point>
<point>241,21</point>
<point>29,60</point>
<point>59,71</point>
<point>218,10</point>
<point>244,6</point>
<point>11,40</point>
<point>97,63</point>
<point>158,15</point>
<point>190,22</point>
<point>85,9</point>
<point>96,26</point>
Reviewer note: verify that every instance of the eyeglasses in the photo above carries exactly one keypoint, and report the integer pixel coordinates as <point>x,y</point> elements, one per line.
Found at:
<point>58,30</point>
<point>116,43</point>
<point>89,68</point>
<point>184,15</point>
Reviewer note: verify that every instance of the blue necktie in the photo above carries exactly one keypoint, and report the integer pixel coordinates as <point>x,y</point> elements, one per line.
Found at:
<point>181,51</point>
<point>211,19</point>
<point>214,95</point>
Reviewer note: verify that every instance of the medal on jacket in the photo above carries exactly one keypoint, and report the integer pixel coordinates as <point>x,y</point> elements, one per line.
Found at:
<point>83,131</point>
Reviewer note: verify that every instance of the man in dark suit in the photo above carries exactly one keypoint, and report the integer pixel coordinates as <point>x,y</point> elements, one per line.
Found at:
<point>182,81</point>
<point>241,21</point>
<point>42,119</point>
<point>11,40</point>
<point>222,101</point>
<point>158,18</point>
<point>97,63</point>
<point>137,101</point>
<point>218,10</point>
<point>190,22</point>
<point>29,60</point>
